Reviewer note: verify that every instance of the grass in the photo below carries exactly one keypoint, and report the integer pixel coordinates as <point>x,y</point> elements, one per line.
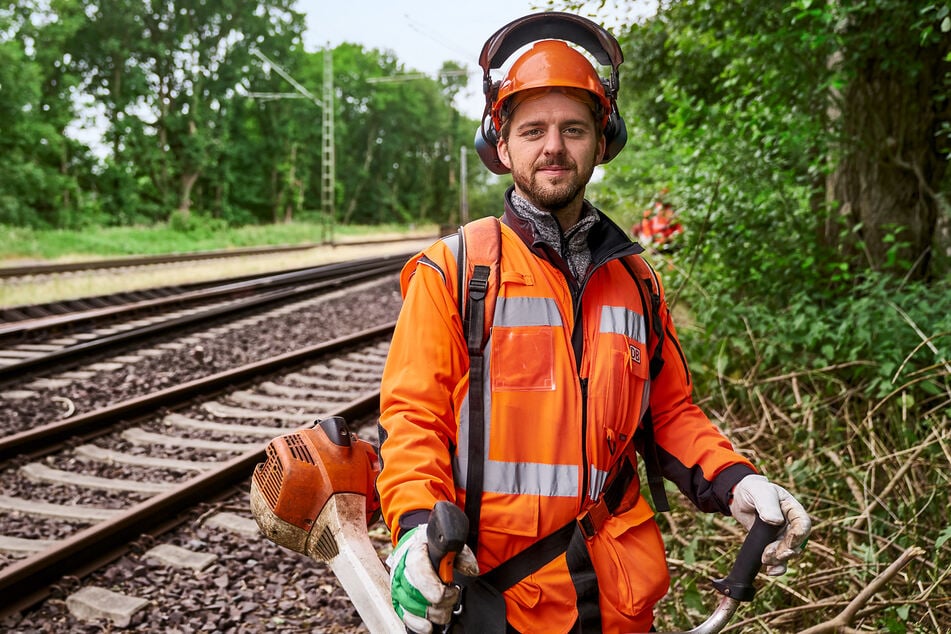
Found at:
<point>22,244</point>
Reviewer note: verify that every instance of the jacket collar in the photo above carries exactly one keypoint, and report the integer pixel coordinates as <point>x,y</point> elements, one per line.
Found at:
<point>607,240</point>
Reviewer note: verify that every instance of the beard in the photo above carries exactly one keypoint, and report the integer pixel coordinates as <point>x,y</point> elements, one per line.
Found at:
<point>552,196</point>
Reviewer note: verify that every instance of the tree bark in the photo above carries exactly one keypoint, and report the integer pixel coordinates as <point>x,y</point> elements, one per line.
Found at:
<point>188,178</point>
<point>890,165</point>
<point>367,161</point>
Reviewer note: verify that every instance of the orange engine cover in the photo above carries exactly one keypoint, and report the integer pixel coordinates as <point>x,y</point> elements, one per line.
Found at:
<point>305,468</point>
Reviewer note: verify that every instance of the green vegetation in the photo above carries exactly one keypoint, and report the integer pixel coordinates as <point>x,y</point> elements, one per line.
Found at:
<point>192,119</point>
<point>805,147</point>
<point>199,235</point>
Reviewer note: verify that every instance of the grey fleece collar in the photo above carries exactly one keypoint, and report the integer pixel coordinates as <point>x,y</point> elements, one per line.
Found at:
<point>572,246</point>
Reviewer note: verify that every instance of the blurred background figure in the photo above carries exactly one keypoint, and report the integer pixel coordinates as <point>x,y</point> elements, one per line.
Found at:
<point>659,229</point>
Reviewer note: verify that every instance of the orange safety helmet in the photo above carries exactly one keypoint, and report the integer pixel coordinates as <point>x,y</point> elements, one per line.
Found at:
<point>551,64</point>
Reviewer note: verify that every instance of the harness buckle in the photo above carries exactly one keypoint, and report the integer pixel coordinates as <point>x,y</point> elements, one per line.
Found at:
<point>592,519</point>
<point>479,283</point>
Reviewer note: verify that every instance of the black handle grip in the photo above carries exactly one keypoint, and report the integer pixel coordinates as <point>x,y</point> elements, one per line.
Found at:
<point>739,583</point>
<point>446,535</point>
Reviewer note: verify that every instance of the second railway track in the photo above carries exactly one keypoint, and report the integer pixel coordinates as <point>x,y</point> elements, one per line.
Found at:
<point>166,359</point>
<point>35,344</point>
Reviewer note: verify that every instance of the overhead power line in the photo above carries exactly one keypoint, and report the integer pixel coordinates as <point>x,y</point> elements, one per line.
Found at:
<point>411,76</point>
<point>283,73</point>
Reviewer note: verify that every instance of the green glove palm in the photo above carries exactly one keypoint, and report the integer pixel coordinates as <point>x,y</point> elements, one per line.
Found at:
<point>419,596</point>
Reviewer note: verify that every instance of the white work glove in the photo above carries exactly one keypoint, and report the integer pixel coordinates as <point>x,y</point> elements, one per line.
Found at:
<point>419,596</point>
<point>755,495</point>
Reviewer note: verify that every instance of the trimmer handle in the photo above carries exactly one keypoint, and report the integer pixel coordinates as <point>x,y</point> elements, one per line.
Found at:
<point>446,535</point>
<point>739,583</point>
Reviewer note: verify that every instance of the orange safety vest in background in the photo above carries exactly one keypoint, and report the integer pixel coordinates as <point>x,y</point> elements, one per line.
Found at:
<point>556,423</point>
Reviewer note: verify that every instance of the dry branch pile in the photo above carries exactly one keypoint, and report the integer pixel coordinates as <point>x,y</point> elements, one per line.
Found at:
<point>874,476</point>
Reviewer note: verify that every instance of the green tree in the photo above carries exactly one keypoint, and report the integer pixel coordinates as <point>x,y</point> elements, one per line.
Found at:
<point>401,135</point>
<point>826,122</point>
<point>166,73</point>
<point>41,168</point>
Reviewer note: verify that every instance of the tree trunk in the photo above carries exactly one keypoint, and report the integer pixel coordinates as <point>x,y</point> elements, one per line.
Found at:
<point>291,187</point>
<point>275,195</point>
<point>367,161</point>
<point>890,167</point>
<point>187,183</point>
<point>188,178</point>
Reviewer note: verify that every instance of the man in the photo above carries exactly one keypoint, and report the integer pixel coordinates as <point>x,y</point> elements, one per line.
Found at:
<point>567,384</point>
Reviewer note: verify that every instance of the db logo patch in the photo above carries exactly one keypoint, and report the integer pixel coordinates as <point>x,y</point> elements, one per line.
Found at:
<point>635,353</point>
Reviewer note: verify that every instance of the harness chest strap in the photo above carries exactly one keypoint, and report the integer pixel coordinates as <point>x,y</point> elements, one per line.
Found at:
<point>477,307</point>
<point>644,436</point>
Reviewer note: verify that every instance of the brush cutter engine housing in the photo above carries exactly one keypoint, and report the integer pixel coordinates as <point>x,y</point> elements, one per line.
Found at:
<point>303,470</point>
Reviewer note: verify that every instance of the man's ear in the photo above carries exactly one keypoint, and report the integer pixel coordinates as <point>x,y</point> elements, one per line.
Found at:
<point>602,144</point>
<point>503,151</point>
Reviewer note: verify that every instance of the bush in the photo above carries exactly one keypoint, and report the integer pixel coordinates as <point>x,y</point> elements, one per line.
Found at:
<point>195,223</point>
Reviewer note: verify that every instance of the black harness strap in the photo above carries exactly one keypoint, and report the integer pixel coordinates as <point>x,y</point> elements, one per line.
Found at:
<point>475,315</point>
<point>477,307</point>
<point>644,437</point>
<point>585,581</point>
<point>533,558</point>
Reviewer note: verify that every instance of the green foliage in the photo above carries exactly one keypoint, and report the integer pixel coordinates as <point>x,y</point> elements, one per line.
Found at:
<point>195,232</point>
<point>196,224</point>
<point>404,138</point>
<point>880,337</point>
<point>806,338</point>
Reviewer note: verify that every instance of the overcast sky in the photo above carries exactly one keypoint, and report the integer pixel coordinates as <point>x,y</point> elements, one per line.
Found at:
<point>425,33</point>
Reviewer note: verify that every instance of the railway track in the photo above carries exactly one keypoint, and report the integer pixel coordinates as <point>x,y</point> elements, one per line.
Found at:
<point>183,446</point>
<point>102,504</point>
<point>39,343</point>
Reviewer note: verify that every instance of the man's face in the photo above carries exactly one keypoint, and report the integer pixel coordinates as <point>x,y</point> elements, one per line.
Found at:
<point>552,147</point>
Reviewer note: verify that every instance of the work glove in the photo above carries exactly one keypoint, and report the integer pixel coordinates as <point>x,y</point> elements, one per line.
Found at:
<point>419,596</point>
<point>755,495</point>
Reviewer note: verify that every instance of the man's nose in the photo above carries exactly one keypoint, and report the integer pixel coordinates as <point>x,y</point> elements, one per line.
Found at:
<point>554,142</point>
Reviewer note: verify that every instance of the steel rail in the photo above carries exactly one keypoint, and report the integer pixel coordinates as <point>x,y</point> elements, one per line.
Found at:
<point>205,291</point>
<point>41,440</point>
<point>144,260</point>
<point>86,348</point>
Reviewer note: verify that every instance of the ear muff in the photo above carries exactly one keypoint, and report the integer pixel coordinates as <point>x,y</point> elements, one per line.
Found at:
<point>615,136</point>
<point>548,25</point>
<point>486,145</point>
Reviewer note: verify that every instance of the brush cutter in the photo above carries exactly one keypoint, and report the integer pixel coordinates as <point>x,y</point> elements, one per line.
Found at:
<point>315,495</point>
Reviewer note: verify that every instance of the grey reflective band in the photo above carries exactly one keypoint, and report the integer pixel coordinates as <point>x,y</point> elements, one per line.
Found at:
<point>531,478</point>
<point>526,311</point>
<point>598,478</point>
<point>424,261</point>
<point>452,243</point>
<point>623,321</point>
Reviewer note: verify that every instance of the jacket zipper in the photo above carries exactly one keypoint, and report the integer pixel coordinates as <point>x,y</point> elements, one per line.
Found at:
<point>584,441</point>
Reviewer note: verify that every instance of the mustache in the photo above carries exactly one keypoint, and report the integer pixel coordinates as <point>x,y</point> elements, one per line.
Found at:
<point>556,163</point>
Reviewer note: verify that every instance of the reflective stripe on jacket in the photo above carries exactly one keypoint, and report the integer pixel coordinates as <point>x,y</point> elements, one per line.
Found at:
<point>567,382</point>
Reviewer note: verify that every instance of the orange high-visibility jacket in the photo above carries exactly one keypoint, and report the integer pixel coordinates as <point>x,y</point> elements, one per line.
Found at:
<point>567,383</point>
